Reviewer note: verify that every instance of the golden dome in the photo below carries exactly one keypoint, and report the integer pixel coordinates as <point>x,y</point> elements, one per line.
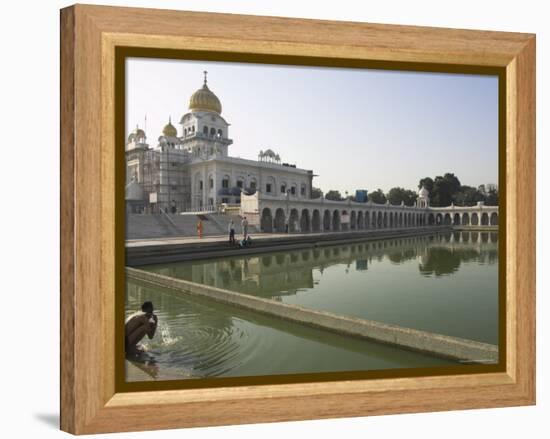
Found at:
<point>170,130</point>
<point>136,134</point>
<point>204,100</point>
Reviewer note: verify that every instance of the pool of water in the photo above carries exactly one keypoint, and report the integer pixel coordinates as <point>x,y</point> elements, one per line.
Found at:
<point>199,338</point>
<point>445,283</point>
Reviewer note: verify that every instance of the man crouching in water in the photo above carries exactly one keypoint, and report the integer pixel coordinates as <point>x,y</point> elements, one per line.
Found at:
<point>137,326</point>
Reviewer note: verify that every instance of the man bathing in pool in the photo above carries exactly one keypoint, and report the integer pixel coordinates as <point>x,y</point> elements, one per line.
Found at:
<point>137,326</point>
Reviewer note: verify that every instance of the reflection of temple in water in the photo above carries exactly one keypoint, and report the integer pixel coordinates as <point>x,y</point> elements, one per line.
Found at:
<point>284,273</point>
<point>263,274</point>
<point>447,251</point>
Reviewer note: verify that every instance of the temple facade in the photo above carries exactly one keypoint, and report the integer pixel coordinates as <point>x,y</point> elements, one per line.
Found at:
<point>191,170</point>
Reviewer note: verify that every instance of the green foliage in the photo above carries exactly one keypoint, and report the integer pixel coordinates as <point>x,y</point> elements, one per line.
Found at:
<point>443,191</point>
<point>468,196</point>
<point>397,195</point>
<point>427,182</point>
<point>316,192</point>
<point>444,188</point>
<point>447,189</point>
<point>334,195</point>
<point>377,197</point>
<point>491,197</point>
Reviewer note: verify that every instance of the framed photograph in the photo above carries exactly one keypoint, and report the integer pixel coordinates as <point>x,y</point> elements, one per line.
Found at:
<point>268,219</point>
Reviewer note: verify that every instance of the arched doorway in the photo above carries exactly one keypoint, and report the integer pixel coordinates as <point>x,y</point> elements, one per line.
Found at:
<point>385,221</point>
<point>431,219</point>
<point>336,220</point>
<point>447,219</point>
<point>353,220</point>
<point>439,219</point>
<point>316,221</point>
<point>484,219</point>
<point>360,221</point>
<point>475,220</point>
<point>280,221</point>
<point>465,219</point>
<point>304,221</point>
<point>293,221</point>
<point>344,216</point>
<point>494,219</point>
<point>456,219</point>
<point>266,223</point>
<point>326,220</point>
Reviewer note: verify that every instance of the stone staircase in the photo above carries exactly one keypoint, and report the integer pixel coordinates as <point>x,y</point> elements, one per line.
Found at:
<point>144,226</point>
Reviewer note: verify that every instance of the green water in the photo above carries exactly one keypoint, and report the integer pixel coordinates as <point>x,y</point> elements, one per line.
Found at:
<point>198,338</point>
<point>444,283</point>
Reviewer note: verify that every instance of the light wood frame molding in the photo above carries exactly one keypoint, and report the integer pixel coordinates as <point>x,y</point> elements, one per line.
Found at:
<point>89,35</point>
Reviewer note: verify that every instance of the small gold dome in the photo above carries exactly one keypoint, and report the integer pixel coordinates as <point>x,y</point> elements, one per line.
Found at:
<point>204,100</point>
<point>170,130</point>
<point>136,134</point>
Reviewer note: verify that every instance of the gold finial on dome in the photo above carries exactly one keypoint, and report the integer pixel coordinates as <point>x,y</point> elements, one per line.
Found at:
<point>170,130</point>
<point>204,100</point>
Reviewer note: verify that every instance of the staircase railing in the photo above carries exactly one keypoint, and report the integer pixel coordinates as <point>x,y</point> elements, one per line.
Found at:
<point>169,219</point>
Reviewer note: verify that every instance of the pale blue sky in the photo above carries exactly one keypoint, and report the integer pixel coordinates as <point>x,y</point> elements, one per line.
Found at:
<point>355,128</point>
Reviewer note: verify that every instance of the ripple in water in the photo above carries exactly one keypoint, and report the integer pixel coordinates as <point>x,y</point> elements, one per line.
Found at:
<point>198,339</point>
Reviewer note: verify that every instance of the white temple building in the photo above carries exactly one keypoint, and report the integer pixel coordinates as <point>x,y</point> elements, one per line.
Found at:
<point>192,170</point>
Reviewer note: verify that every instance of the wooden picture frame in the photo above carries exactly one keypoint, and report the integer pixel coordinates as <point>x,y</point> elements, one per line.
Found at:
<point>90,36</point>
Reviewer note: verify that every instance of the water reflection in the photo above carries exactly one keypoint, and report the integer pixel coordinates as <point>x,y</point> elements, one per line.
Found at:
<point>445,283</point>
<point>283,273</point>
<point>192,335</point>
<point>200,339</point>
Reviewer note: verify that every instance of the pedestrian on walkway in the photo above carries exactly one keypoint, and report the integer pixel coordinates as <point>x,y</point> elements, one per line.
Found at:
<point>199,228</point>
<point>244,224</point>
<point>231,232</point>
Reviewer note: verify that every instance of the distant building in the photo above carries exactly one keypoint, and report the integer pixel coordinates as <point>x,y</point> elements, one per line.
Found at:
<point>361,196</point>
<point>423,199</point>
<point>490,187</point>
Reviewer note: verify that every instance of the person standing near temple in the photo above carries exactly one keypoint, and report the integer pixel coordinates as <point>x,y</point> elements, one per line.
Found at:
<point>199,228</point>
<point>231,230</point>
<point>244,224</point>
